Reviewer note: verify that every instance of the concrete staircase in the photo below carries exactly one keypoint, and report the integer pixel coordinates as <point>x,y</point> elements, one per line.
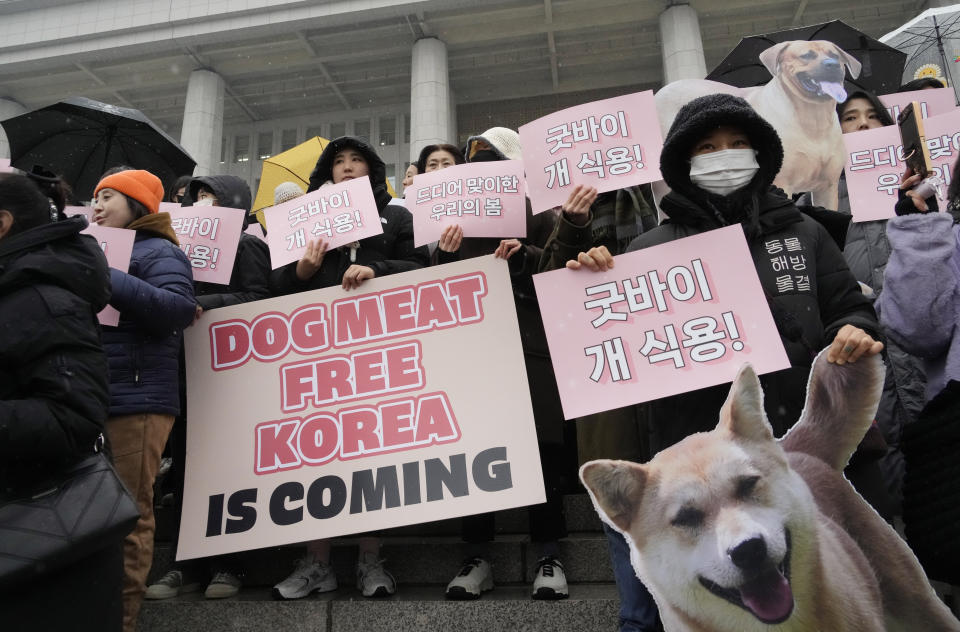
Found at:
<point>423,558</point>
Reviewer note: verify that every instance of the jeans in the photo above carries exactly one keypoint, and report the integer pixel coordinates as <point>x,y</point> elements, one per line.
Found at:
<point>638,611</point>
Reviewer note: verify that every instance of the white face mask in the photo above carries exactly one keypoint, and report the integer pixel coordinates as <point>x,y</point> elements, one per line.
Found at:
<point>204,202</point>
<point>723,172</point>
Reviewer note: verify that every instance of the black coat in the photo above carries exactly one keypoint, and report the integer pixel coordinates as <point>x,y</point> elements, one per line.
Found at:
<point>809,310</point>
<point>53,369</point>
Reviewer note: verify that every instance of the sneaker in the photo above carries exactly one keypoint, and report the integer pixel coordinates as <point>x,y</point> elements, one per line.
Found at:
<point>170,585</point>
<point>373,580</point>
<point>309,576</point>
<point>474,578</point>
<point>223,585</point>
<point>551,582</point>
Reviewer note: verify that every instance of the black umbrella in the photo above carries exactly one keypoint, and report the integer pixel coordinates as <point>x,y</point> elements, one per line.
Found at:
<point>882,65</point>
<point>79,139</point>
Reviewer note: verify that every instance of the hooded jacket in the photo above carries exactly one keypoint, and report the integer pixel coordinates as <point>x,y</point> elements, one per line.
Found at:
<point>810,290</point>
<point>250,277</point>
<point>53,370</point>
<point>155,301</point>
<point>387,253</point>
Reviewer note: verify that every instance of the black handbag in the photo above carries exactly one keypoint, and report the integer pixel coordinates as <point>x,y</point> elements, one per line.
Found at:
<point>54,525</point>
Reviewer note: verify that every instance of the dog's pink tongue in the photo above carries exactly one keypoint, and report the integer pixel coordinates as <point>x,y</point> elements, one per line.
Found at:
<point>835,90</point>
<point>769,597</point>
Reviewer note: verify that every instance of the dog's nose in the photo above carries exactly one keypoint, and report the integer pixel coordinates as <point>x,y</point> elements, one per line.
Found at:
<point>749,554</point>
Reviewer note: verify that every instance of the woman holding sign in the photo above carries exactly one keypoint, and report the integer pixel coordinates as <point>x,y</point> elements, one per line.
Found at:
<point>155,301</point>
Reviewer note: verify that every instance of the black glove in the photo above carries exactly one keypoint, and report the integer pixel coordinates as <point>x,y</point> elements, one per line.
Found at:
<point>905,205</point>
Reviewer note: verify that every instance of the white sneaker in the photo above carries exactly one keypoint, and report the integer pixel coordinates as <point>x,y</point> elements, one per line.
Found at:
<point>222,586</point>
<point>474,578</point>
<point>373,580</point>
<point>170,585</point>
<point>309,576</point>
<point>551,582</point>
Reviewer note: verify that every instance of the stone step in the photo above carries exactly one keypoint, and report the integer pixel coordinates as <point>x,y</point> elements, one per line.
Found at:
<point>422,561</point>
<point>590,607</point>
<point>578,508</point>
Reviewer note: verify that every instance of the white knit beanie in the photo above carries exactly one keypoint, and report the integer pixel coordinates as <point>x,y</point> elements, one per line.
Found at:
<point>502,139</point>
<point>286,191</point>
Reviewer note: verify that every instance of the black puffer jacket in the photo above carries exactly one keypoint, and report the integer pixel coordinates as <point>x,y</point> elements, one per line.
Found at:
<point>808,286</point>
<point>53,370</point>
<point>250,278</point>
<point>388,253</point>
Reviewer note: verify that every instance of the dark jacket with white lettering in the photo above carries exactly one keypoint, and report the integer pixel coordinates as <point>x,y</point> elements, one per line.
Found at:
<point>388,253</point>
<point>155,301</point>
<point>53,370</point>
<point>810,298</point>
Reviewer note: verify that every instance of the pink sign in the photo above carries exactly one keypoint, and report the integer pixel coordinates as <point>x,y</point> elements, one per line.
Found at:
<point>86,211</point>
<point>338,214</point>
<point>256,230</point>
<point>932,102</point>
<point>327,413</point>
<point>5,166</point>
<point>486,199</point>
<point>209,236</point>
<point>608,144</point>
<point>666,320</point>
<point>117,245</point>
<point>875,163</point>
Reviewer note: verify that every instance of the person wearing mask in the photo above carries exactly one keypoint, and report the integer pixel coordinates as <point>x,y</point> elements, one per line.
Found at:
<point>720,159</point>
<point>156,302</point>
<point>53,393</point>
<point>547,520</point>
<point>178,192</point>
<point>249,281</point>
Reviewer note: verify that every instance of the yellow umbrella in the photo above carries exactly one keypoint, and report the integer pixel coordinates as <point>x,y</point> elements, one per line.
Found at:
<point>293,165</point>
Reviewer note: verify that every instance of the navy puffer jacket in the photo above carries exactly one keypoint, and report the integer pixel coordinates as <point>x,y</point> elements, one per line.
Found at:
<point>155,301</point>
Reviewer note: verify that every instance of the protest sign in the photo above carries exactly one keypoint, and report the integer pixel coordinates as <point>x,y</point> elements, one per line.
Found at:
<point>608,144</point>
<point>5,166</point>
<point>328,413</point>
<point>487,199</point>
<point>117,245</point>
<point>932,102</point>
<point>209,236</point>
<point>338,214</point>
<point>875,163</point>
<point>666,320</point>
<point>86,211</point>
<point>256,230</point>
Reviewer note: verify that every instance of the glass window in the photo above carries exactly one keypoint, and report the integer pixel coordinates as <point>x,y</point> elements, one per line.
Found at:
<point>361,129</point>
<point>406,128</point>
<point>288,139</point>
<point>337,130</point>
<point>314,131</point>
<point>223,150</point>
<point>388,130</point>
<point>392,175</point>
<point>241,148</point>
<point>264,145</point>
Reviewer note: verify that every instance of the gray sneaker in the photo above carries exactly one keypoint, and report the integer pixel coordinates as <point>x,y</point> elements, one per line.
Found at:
<point>473,579</point>
<point>308,577</point>
<point>170,585</point>
<point>223,585</point>
<point>373,580</point>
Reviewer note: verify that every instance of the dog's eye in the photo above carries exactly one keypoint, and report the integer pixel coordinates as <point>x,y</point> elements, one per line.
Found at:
<point>808,55</point>
<point>746,486</point>
<point>688,517</point>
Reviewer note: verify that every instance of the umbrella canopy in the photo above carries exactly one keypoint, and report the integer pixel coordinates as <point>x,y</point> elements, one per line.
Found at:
<point>79,139</point>
<point>931,42</point>
<point>882,65</point>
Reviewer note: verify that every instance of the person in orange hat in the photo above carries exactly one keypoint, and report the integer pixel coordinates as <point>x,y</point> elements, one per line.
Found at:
<point>155,300</point>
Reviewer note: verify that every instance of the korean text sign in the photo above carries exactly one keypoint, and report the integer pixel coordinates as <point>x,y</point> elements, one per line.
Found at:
<point>665,320</point>
<point>338,214</point>
<point>487,199</point>
<point>328,412</point>
<point>932,102</point>
<point>209,236</point>
<point>875,163</point>
<point>117,245</point>
<point>608,144</point>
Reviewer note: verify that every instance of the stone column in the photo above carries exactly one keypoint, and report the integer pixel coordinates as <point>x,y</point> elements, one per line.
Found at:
<point>202,132</point>
<point>429,96</point>
<point>8,109</point>
<point>681,43</point>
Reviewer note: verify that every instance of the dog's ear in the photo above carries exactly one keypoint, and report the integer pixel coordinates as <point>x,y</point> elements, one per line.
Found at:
<point>841,403</point>
<point>852,63</point>
<point>742,414</point>
<point>770,58</point>
<point>616,488</point>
